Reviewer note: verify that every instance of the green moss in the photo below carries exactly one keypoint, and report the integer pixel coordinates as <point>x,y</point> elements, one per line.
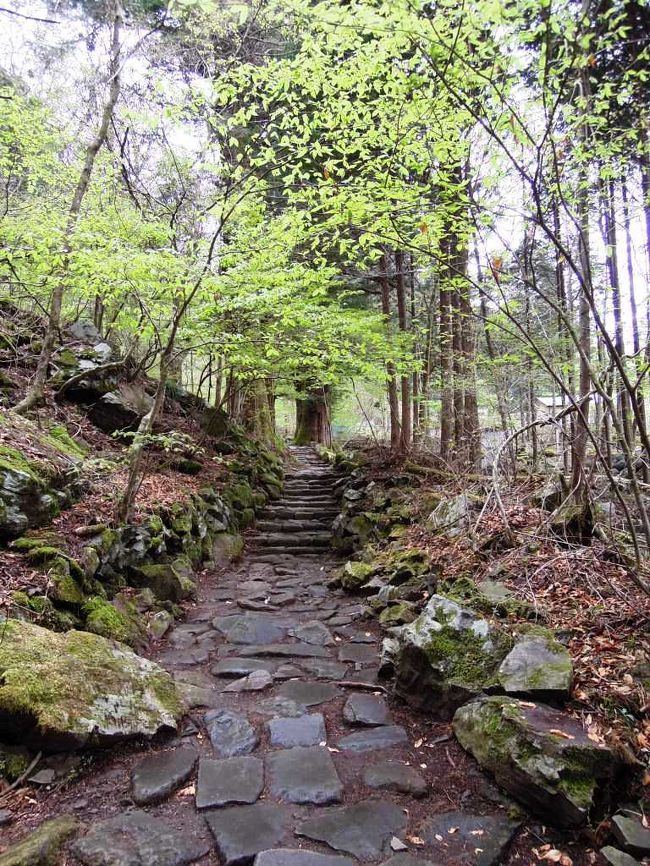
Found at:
<point>103,619</point>
<point>464,656</point>
<point>14,760</point>
<point>12,460</point>
<point>61,440</point>
<point>579,789</point>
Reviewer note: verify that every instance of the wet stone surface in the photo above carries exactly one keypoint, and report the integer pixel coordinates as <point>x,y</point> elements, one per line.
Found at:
<point>304,775</point>
<point>307,730</point>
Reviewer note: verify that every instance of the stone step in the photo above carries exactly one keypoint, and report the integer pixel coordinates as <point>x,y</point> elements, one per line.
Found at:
<point>302,497</point>
<point>291,525</point>
<point>290,537</point>
<point>315,549</point>
<point>283,512</point>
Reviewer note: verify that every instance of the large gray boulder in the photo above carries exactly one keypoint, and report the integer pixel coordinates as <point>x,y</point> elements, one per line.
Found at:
<point>539,755</point>
<point>447,656</point>
<point>451,654</point>
<point>66,691</point>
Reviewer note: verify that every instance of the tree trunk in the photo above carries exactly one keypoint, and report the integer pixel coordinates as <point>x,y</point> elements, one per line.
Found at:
<point>36,390</point>
<point>406,431</point>
<point>446,355</point>
<point>393,405</point>
<point>313,418</point>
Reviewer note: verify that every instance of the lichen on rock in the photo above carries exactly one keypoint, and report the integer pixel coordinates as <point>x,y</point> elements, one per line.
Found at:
<point>64,691</point>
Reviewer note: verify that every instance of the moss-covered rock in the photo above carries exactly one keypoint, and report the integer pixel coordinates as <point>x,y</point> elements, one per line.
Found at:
<point>397,614</point>
<point>541,756</point>
<point>42,847</point>
<point>447,656</point>
<point>161,578</point>
<point>64,691</point>
<point>115,620</point>
<point>354,574</point>
<point>225,547</point>
<point>41,610</point>
<point>537,666</point>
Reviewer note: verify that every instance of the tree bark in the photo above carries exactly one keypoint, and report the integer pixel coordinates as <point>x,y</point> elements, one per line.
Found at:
<point>391,384</point>
<point>313,417</point>
<point>406,427</point>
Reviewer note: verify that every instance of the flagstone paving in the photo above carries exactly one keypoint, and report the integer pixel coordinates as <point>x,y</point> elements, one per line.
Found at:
<point>290,756</point>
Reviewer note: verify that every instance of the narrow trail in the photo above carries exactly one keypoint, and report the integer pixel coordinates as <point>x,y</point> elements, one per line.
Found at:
<point>300,747</point>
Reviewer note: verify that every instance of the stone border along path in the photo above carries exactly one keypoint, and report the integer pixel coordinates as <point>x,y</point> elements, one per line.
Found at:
<point>283,757</point>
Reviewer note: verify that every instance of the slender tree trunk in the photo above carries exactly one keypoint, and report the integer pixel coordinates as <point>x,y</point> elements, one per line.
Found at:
<point>36,390</point>
<point>393,405</point>
<point>446,343</point>
<point>406,431</point>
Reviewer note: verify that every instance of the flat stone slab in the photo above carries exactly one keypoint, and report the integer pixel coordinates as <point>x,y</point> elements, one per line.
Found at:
<point>233,668</point>
<point>137,839</point>
<point>313,632</point>
<point>363,830</point>
<point>366,709</point>
<point>229,781</point>
<point>325,668</point>
<point>281,706</point>
<point>618,858</point>
<point>631,835</point>
<point>308,730</point>
<point>286,650</point>
<point>308,693</point>
<point>304,775</point>
<point>249,628</point>
<point>392,776</point>
<point>297,857</point>
<point>241,832</point>
<point>480,840</point>
<point>256,681</point>
<point>160,774</point>
<point>360,653</point>
<point>374,738</point>
<point>230,733</point>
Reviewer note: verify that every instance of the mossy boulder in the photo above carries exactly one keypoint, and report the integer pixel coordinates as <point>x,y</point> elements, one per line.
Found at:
<point>225,547</point>
<point>117,619</point>
<point>539,666</point>
<point>397,614</point>
<point>353,575</point>
<point>38,473</point>
<point>539,755</point>
<point>42,847</point>
<point>447,656</point>
<point>451,516</point>
<point>66,691</point>
<point>161,578</point>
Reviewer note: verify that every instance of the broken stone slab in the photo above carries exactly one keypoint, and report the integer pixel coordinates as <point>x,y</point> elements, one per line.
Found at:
<point>94,691</point>
<point>196,696</point>
<point>159,775</point>
<point>374,738</point>
<point>539,666</point>
<point>231,734</point>
<point>392,776</point>
<point>256,681</point>
<point>304,775</point>
<point>366,709</point>
<point>250,628</point>
<point>42,846</point>
<point>308,693</point>
<point>459,837</point>
<point>137,839</point>
<point>299,857</point>
<point>313,632</point>
<point>540,755</point>
<point>307,730</point>
<point>631,834</point>
<point>615,857</point>
<point>363,830</point>
<point>234,668</point>
<point>241,832</point>
<point>229,781</point>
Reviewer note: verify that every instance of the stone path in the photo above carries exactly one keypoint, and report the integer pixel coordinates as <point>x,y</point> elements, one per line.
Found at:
<point>291,755</point>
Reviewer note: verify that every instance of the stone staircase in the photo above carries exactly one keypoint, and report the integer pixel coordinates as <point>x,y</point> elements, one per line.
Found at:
<point>300,522</point>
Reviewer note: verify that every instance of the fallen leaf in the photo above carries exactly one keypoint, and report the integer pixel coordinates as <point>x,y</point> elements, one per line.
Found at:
<point>559,733</point>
